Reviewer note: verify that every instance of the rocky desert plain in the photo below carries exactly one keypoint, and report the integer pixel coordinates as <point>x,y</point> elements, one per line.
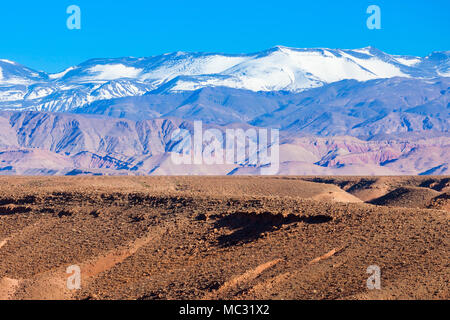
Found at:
<point>226,238</point>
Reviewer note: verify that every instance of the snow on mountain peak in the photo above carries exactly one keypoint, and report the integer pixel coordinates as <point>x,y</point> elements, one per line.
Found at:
<point>7,61</point>
<point>284,68</point>
<point>188,64</point>
<point>279,68</point>
<point>61,74</point>
<point>112,72</point>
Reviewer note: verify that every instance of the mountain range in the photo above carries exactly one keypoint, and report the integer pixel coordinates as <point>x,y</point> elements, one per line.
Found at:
<point>339,111</point>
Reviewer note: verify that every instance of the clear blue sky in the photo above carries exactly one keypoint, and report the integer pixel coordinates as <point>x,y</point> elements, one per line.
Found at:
<point>34,33</point>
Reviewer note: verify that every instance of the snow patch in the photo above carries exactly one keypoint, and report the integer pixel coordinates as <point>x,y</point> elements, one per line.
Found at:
<point>61,74</point>
<point>408,61</point>
<point>113,72</point>
<point>377,68</point>
<point>188,65</point>
<point>8,61</point>
<point>444,74</point>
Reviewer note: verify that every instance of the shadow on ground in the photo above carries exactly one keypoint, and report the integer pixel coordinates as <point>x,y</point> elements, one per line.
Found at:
<point>249,226</point>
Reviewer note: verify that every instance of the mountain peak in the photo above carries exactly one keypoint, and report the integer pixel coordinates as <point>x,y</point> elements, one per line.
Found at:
<point>8,61</point>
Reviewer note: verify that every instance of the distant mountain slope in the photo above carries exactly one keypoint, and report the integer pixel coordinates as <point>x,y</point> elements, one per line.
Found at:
<point>218,105</point>
<point>52,143</point>
<point>275,69</point>
<point>348,107</point>
<point>12,73</point>
<point>366,109</point>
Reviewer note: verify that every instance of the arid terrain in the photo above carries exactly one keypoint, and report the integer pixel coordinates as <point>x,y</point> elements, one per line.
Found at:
<point>224,237</point>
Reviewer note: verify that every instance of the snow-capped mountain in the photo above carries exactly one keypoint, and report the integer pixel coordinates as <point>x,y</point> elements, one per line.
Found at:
<point>12,73</point>
<point>276,69</point>
<point>339,112</point>
<point>282,68</point>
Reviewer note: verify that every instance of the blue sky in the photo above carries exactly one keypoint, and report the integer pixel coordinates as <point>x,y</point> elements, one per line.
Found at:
<point>34,33</point>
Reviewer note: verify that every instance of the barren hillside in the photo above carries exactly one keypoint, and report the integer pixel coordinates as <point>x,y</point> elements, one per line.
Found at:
<point>223,238</point>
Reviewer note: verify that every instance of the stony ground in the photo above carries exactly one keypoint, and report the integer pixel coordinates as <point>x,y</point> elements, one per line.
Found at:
<point>224,238</point>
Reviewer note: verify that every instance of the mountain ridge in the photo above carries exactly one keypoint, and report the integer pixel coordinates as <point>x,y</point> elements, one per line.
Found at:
<point>275,69</point>
<point>39,143</point>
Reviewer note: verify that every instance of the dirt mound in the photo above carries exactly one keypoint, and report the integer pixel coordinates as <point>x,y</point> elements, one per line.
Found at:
<point>365,189</point>
<point>407,197</point>
<point>438,184</point>
<point>441,202</point>
<point>371,188</point>
<point>274,186</point>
